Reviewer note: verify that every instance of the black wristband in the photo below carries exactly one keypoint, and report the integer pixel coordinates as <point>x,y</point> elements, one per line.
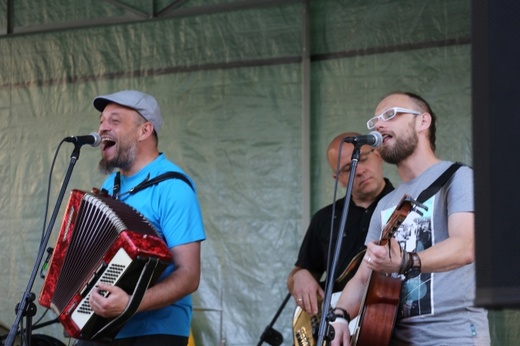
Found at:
<point>344,314</point>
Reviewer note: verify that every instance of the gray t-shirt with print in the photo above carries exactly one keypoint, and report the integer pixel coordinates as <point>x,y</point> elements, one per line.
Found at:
<point>435,308</point>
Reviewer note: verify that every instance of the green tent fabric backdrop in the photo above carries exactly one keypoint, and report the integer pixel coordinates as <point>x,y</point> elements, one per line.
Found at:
<point>230,77</point>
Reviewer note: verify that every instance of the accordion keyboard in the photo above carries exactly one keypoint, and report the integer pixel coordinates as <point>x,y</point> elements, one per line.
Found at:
<point>113,272</point>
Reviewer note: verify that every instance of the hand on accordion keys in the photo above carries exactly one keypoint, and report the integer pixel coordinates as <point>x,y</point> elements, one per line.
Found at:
<point>108,301</point>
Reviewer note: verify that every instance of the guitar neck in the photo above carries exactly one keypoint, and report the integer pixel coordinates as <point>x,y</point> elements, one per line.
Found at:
<point>405,206</point>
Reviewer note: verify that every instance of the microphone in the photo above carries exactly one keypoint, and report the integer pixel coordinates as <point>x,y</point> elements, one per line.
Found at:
<point>93,139</point>
<point>373,139</point>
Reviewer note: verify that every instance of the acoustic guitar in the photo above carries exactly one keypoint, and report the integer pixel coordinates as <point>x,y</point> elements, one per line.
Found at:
<point>378,309</point>
<point>305,326</point>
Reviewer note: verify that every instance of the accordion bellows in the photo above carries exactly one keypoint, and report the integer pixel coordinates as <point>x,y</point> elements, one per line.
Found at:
<point>101,240</point>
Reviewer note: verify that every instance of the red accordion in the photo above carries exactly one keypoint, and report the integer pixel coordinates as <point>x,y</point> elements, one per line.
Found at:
<point>100,240</point>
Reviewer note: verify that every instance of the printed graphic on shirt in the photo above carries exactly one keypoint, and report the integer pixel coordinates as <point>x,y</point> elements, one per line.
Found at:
<point>415,234</point>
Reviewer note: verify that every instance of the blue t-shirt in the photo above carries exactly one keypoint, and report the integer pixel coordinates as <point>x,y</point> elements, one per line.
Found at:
<point>173,209</point>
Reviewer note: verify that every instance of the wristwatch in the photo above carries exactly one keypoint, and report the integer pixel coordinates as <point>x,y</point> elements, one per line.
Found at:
<point>415,268</point>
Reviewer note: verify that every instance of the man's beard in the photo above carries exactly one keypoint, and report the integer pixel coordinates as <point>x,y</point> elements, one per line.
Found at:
<point>403,148</point>
<point>124,159</point>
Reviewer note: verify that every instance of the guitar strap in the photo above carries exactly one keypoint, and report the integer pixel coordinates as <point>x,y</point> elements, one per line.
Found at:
<point>438,183</point>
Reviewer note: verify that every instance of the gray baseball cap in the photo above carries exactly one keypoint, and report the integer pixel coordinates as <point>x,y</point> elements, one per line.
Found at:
<point>144,104</point>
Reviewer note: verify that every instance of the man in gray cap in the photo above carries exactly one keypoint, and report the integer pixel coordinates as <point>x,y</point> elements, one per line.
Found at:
<point>129,125</point>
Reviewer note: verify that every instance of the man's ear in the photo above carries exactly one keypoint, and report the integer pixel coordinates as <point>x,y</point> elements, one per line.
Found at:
<point>425,121</point>
<point>146,131</point>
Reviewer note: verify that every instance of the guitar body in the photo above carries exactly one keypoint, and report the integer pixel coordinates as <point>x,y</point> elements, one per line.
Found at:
<point>377,317</point>
<point>305,325</point>
<point>378,310</point>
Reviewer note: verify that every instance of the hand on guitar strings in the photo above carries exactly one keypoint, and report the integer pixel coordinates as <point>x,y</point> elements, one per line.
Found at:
<point>384,258</point>
<point>108,301</point>
<point>307,291</point>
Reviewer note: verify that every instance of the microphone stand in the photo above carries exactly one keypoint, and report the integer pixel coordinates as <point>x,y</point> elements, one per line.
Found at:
<point>26,308</point>
<point>36,326</point>
<point>271,335</point>
<point>325,329</point>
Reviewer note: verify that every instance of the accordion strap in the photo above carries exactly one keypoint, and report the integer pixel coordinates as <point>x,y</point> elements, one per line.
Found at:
<point>135,299</point>
<point>148,182</point>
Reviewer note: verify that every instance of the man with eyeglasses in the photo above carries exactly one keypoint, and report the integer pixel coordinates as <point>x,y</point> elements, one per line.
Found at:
<point>434,253</point>
<point>368,187</point>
